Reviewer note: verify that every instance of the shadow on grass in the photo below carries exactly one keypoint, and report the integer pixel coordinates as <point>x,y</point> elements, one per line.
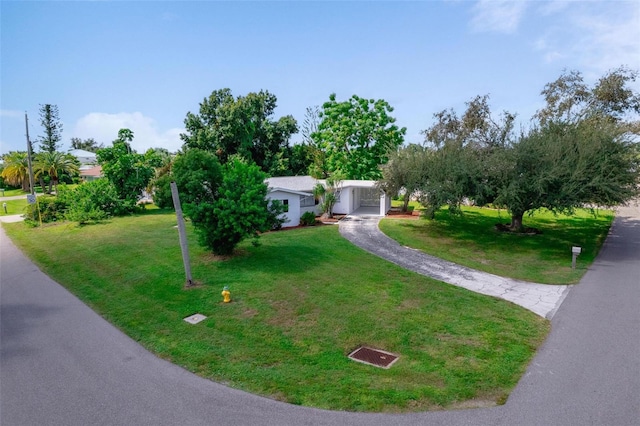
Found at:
<point>544,257</point>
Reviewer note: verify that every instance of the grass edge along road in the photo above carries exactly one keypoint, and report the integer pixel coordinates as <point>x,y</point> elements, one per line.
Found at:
<point>302,301</point>
<point>471,240</point>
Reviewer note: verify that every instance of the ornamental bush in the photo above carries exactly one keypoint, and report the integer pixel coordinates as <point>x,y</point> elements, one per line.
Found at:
<point>308,219</point>
<point>48,209</point>
<point>226,203</point>
<point>95,201</point>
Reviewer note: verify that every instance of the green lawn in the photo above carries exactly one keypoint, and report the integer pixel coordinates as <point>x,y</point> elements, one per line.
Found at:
<point>13,192</point>
<point>18,206</point>
<point>18,191</point>
<point>302,301</point>
<point>472,240</point>
<point>13,206</point>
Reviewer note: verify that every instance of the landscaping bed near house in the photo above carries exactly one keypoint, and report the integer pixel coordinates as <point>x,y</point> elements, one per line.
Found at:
<point>301,303</point>
<point>473,240</point>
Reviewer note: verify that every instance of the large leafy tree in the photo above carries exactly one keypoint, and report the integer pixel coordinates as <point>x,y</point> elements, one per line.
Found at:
<point>405,172</point>
<point>317,157</point>
<point>226,203</point>
<point>52,127</point>
<point>561,166</point>
<point>54,164</point>
<point>243,125</point>
<point>581,150</point>
<point>464,156</point>
<point>128,171</point>
<point>16,169</point>
<point>356,136</point>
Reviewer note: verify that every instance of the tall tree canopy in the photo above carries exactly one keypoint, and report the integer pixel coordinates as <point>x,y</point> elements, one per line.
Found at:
<point>581,150</point>
<point>227,126</point>
<point>405,172</point>
<point>89,144</point>
<point>226,203</point>
<point>16,169</point>
<point>128,171</point>
<point>54,165</point>
<point>52,127</point>
<point>356,136</point>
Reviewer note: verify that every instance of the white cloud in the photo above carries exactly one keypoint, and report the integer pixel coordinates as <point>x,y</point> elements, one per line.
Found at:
<point>594,37</point>
<point>610,40</point>
<point>103,127</point>
<point>11,113</point>
<point>502,16</point>
<point>553,56</point>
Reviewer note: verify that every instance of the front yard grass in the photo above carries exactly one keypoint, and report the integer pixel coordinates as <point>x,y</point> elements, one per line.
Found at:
<point>302,301</point>
<point>471,240</point>
<point>13,206</point>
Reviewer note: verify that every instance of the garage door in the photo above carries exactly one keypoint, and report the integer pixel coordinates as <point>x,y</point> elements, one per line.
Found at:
<point>369,197</point>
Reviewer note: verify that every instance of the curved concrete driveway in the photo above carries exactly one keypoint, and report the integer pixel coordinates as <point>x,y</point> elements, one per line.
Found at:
<point>542,299</point>
<point>61,364</point>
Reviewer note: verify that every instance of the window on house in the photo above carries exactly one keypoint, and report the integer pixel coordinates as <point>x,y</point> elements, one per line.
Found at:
<point>338,192</point>
<point>285,204</point>
<point>308,201</point>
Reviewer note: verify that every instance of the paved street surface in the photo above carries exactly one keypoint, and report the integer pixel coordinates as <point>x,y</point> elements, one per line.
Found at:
<point>61,364</point>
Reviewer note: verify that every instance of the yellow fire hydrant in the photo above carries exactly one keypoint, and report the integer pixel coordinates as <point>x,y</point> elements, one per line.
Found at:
<point>226,295</point>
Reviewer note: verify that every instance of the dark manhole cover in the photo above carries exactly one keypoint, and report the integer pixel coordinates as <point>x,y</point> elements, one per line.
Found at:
<point>374,357</point>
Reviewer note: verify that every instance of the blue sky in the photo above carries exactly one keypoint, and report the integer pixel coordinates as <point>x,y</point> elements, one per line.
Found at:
<point>143,65</point>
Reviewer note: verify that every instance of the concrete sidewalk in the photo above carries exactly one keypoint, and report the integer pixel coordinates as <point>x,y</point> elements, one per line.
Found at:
<point>542,299</point>
<point>11,218</point>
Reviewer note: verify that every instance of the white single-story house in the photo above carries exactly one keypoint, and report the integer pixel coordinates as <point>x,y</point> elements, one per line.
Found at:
<point>86,158</point>
<point>353,197</point>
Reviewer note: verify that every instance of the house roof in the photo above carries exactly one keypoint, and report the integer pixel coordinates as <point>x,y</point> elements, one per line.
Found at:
<point>93,171</point>
<point>307,183</point>
<point>359,183</point>
<point>81,153</point>
<point>292,183</point>
<point>290,191</point>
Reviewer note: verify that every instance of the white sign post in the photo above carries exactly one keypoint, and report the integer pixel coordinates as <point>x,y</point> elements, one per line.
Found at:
<point>575,251</point>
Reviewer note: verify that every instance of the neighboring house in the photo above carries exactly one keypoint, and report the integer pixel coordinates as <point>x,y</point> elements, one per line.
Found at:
<point>86,158</point>
<point>353,197</point>
<point>89,170</point>
<point>90,173</point>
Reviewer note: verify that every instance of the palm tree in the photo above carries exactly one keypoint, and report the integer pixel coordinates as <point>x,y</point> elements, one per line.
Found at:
<point>16,169</point>
<point>55,164</point>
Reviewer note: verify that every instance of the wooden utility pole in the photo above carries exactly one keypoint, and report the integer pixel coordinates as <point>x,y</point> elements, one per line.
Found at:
<point>183,233</point>
<point>29,154</point>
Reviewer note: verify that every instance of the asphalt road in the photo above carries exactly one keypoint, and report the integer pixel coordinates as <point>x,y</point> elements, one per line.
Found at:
<point>61,364</point>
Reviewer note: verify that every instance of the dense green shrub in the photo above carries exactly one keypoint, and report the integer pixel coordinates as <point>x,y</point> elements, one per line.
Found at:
<point>48,209</point>
<point>84,211</point>
<point>97,196</point>
<point>162,192</point>
<point>308,219</point>
<point>226,203</point>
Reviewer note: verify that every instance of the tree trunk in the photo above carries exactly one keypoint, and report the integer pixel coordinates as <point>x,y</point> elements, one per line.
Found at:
<point>405,205</point>
<point>41,183</point>
<point>516,222</point>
